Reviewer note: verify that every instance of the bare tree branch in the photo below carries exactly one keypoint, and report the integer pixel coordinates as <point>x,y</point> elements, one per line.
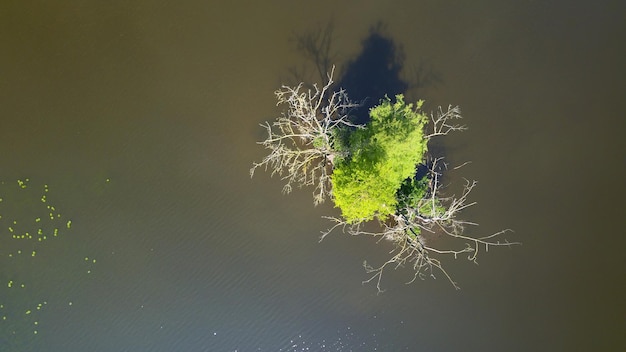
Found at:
<point>300,141</point>
<point>442,122</point>
<point>434,214</point>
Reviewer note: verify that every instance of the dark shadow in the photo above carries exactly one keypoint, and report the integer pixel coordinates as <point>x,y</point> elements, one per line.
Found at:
<point>421,76</point>
<point>317,48</point>
<point>379,70</point>
<point>374,73</point>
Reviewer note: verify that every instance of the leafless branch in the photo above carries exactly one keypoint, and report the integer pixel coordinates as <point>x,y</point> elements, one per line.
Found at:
<point>434,214</point>
<point>443,122</point>
<point>300,140</point>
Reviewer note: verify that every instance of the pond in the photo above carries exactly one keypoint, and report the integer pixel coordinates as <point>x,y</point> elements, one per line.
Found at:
<point>138,122</point>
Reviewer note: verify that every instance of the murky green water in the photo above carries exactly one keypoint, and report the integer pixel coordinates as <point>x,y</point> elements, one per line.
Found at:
<point>142,119</point>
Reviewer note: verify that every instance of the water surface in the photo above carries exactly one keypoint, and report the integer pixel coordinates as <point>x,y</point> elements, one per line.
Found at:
<point>163,100</point>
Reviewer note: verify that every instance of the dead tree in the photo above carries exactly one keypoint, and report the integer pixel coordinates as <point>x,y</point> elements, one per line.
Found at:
<point>300,141</point>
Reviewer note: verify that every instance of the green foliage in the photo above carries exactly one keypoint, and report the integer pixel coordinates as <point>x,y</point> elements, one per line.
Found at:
<point>339,138</point>
<point>319,142</point>
<point>380,158</point>
<point>412,192</point>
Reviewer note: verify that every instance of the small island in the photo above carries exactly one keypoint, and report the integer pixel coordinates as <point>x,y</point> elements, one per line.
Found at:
<point>379,171</point>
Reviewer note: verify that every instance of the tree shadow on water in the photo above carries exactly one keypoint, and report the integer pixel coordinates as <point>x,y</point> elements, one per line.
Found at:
<point>374,73</point>
<point>317,47</point>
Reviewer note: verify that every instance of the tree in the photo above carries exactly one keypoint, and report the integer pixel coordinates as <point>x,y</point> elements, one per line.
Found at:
<point>302,142</point>
<point>381,157</point>
<point>378,171</point>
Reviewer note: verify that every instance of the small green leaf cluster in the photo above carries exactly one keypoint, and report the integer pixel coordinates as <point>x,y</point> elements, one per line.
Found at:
<point>339,138</point>
<point>412,192</point>
<point>380,158</point>
<point>319,142</point>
